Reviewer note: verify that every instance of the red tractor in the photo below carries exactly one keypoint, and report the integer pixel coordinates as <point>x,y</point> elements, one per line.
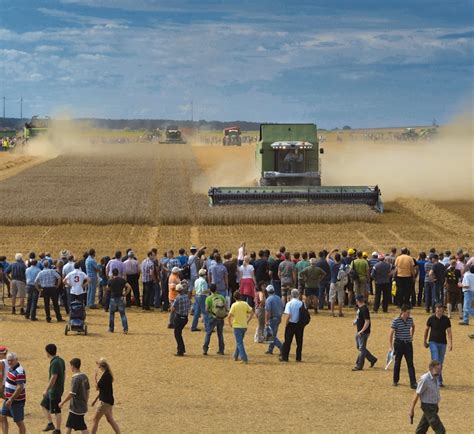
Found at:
<point>232,136</point>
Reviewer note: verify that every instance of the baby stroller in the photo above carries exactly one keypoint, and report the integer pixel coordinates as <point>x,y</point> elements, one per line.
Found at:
<point>77,316</point>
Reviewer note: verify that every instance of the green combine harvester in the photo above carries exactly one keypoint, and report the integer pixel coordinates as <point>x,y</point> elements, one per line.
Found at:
<point>173,135</point>
<point>287,157</point>
<point>35,128</point>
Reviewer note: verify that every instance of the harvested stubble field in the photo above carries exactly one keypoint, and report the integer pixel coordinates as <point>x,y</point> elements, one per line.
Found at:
<point>184,395</point>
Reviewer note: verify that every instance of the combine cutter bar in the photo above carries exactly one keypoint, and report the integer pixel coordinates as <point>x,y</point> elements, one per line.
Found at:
<point>326,195</point>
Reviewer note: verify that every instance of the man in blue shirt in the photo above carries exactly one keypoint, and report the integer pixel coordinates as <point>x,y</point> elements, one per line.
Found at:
<point>92,268</point>
<point>273,313</point>
<point>16,272</point>
<point>31,272</point>
<point>218,275</point>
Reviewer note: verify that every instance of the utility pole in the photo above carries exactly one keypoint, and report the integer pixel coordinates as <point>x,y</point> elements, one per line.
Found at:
<point>21,108</point>
<point>3,107</point>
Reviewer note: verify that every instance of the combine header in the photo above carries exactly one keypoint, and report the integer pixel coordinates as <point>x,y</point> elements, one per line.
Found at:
<point>173,135</point>
<point>287,156</point>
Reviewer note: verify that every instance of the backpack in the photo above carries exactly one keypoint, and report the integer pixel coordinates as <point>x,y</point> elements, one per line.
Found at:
<point>185,272</point>
<point>354,275</point>
<point>218,308</point>
<point>343,275</point>
<point>304,316</point>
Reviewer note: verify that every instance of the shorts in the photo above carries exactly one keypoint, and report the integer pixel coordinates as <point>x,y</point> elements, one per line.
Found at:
<point>360,287</point>
<point>336,290</point>
<point>286,290</point>
<point>16,410</point>
<point>311,292</point>
<point>52,405</point>
<point>103,408</point>
<point>76,422</point>
<point>18,288</point>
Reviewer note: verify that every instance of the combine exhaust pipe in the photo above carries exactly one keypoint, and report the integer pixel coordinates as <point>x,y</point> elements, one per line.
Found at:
<point>286,194</point>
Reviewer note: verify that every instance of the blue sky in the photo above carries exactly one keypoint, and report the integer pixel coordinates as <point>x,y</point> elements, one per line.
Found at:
<point>362,63</point>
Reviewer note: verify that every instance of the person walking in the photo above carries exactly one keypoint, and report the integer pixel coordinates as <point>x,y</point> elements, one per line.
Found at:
<point>54,390</point>
<point>400,339</point>
<point>293,327</point>
<point>3,369</point>
<point>33,294</point>
<point>180,309</point>
<point>468,291</point>
<point>77,282</point>
<point>217,311</point>
<point>79,396</point>
<point>362,322</point>
<point>273,313</point>
<point>428,393</point>
<point>119,288</point>
<point>381,273</point>
<point>104,384</point>
<point>47,283</point>
<point>201,291</point>
<point>14,394</point>
<point>438,327</point>
<point>132,273</point>
<point>16,273</point>
<point>173,281</point>
<point>239,317</point>
<point>92,269</point>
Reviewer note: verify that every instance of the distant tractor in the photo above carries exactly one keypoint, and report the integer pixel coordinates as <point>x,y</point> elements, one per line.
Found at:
<point>36,127</point>
<point>173,135</point>
<point>287,159</point>
<point>409,134</point>
<point>232,137</point>
<point>429,133</point>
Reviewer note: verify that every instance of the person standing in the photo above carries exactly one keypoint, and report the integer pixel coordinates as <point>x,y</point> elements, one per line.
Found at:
<point>119,288</point>
<point>362,322</point>
<point>247,281</point>
<point>14,394</point>
<point>180,309</point>
<point>92,269</point>
<point>77,282</point>
<point>104,385</point>
<point>47,282</point>
<point>428,393</point>
<point>216,310</point>
<point>173,281</point>
<point>273,313</point>
<point>381,273</point>
<point>338,281</point>
<point>218,276</point>
<point>287,276</point>
<point>361,268</point>
<point>16,273</point>
<point>438,275</point>
<point>312,277</point>
<point>438,327</point>
<point>468,291</point>
<point>293,327</point>
<point>400,339</point>
<point>239,317</point>
<point>33,294</point>
<point>3,369</point>
<point>404,276</point>
<point>79,396</point>
<point>54,390</point>
<point>325,281</point>
<point>201,291</point>
<point>148,268</point>
<point>132,273</point>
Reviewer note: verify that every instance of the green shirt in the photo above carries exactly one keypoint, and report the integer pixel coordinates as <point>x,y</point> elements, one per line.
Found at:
<point>312,276</point>
<point>209,299</point>
<point>57,367</point>
<point>300,266</point>
<point>361,266</point>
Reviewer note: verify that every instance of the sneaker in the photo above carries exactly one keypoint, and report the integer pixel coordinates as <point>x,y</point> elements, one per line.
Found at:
<point>281,359</point>
<point>13,311</point>
<point>22,311</point>
<point>204,353</point>
<point>269,352</point>
<point>49,427</point>
<point>170,326</point>
<point>464,323</point>
<point>60,320</point>
<point>356,369</point>
<point>34,319</point>
<point>441,385</point>
<point>195,330</point>
<point>125,332</point>
<point>373,363</point>
<point>220,353</point>
<point>414,386</point>
<point>395,384</point>
<point>179,354</point>
<point>57,431</point>
<point>341,315</point>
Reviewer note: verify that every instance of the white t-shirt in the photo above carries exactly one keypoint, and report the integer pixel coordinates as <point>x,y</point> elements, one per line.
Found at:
<point>68,268</point>
<point>75,279</point>
<point>240,254</point>
<point>293,308</point>
<point>246,272</point>
<point>468,280</point>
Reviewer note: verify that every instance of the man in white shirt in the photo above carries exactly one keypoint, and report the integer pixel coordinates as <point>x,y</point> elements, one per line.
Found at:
<point>468,290</point>
<point>77,280</point>
<point>293,328</point>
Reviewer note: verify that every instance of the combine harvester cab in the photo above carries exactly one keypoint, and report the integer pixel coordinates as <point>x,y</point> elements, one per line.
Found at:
<point>232,137</point>
<point>287,157</point>
<point>35,128</point>
<point>173,135</point>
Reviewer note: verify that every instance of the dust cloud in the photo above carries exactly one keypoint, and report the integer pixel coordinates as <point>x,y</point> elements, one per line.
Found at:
<point>441,169</point>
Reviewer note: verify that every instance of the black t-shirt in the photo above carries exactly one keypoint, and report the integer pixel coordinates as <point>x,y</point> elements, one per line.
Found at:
<point>261,270</point>
<point>116,286</point>
<point>438,328</point>
<point>362,315</point>
<point>439,271</point>
<point>106,390</point>
<point>274,268</point>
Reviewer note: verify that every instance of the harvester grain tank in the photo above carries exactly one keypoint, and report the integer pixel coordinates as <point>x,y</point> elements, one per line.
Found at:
<point>173,135</point>
<point>36,127</point>
<point>288,159</point>
<point>232,136</point>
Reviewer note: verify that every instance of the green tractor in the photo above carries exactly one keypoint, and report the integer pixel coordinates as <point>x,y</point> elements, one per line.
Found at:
<point>232,136</point>
<point>36,127</point>
<point>173,135</point>
<point>287,157</point>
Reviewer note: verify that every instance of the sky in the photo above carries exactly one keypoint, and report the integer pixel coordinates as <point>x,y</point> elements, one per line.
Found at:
<point>364,63</point>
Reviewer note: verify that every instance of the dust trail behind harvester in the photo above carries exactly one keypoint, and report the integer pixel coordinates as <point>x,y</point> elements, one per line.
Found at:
<point>441,169</point>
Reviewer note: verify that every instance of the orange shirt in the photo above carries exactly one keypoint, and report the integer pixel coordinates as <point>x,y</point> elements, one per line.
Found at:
<point>405,266</point>
<point>173,280</point>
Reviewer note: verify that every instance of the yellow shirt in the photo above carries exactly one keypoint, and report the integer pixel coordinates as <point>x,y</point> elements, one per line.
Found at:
<point>239,311</point>
<point>405,266</point>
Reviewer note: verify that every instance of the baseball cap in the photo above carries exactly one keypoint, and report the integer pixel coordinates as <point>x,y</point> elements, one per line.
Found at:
<point>359,297</point>
<point>270,288</point>
<point>175,270</point>
<point>202,272</point>
<point>365,255</point>
<point>3,349</point>
<point>375,254</point>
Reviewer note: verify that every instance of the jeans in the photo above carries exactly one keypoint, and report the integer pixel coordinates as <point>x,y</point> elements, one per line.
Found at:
<point>323,293</point>
<point>437,292</point>
<point>429,301</point>
<point>274,324</point>
<point>277,285</point>
<point>180,322</point>
<point>364,353</point>
<point>147,294</point>
<point>32,302</point>
<point>296,330</point>
<point>467,309</point>
<point>117,304</point>
<point>437,353</point>
<point>156,295</point>
<point>403,348</point>
<point>431,419</point>
<point>217,324</point>
<point>51,294</point>
<point>91,292</point>
<point>200,308</point>
<point>382,290</point>
<point>239,335</point>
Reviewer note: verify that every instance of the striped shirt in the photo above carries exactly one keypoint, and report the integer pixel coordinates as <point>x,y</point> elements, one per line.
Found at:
<point>148,267</point>
<point>402,328</point>
<point>182,304</point>
<point>47,278</point>
<point>16,377</point>
<point>428,389</point>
